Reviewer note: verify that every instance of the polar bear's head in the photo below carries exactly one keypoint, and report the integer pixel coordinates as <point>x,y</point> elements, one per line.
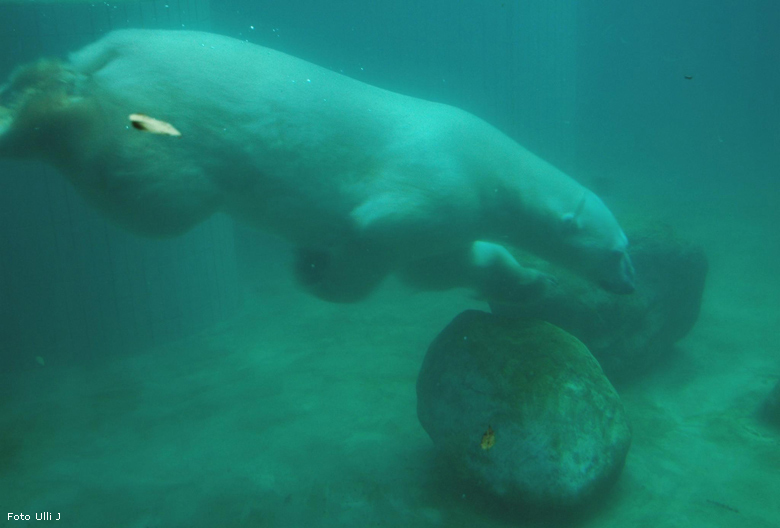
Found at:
<point>595,245</point>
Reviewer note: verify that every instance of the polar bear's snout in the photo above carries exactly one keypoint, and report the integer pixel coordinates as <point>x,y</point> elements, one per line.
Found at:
<point>6,117</point>
<point>621,274</point>
<point>5,120</point>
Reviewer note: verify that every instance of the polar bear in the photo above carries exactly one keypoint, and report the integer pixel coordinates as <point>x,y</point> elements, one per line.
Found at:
<point>364,182</point>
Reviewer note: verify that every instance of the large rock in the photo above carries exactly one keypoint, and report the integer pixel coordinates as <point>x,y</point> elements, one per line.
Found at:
<point>627,333</point>
<point>523,409</point>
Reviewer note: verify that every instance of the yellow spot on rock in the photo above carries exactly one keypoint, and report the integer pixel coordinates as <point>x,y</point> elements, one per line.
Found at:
<point>488,439</point>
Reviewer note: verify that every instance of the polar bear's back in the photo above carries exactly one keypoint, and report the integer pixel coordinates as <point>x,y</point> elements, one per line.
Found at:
<point>188,54</point>
<point>203,69</point>
<point>207,84</point>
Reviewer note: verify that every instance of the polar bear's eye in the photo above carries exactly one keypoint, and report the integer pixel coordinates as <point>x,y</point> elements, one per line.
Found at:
<point>570,223</point>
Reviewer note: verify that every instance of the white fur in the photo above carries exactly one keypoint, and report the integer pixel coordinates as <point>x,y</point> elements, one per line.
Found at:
<point>363,180</point>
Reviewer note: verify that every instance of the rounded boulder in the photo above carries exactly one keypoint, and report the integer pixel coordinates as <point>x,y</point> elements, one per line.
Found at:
<point>523,409</point>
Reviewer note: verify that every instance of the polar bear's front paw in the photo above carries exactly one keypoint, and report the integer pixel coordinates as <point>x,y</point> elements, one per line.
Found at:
<point>529,286</point>
<point>541,285</point>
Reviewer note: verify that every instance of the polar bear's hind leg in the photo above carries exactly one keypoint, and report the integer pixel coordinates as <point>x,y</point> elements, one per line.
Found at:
<point>344,274</point>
